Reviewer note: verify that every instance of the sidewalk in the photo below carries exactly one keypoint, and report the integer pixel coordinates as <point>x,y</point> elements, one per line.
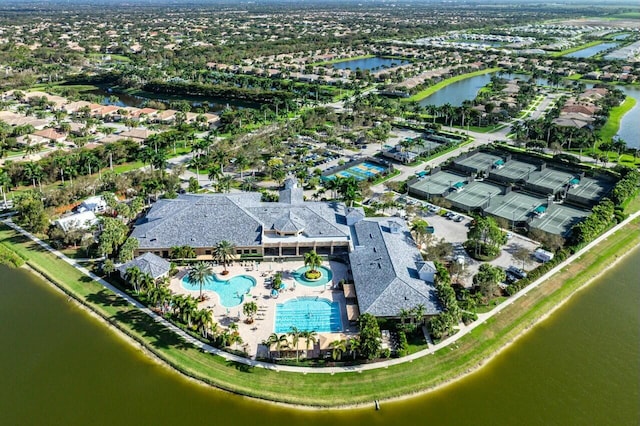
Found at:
<point>463,331</point>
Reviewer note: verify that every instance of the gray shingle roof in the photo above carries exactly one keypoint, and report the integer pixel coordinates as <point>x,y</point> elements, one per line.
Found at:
<point>385,274</point>
<point>205,220</point>
<point>148,263</point>
<point>197,221</point>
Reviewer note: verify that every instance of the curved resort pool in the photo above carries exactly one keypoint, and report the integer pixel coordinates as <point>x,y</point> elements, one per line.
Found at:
<point>308,314</point>
<point>231,291</point>
<point>327,275</point>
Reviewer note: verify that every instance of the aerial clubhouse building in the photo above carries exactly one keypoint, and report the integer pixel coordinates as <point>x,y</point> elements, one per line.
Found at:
<point>388,271</point>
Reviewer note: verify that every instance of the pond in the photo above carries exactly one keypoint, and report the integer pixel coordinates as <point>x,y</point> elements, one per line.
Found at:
<point>467,89</point>
<point>621,36</point>
<point>111,97</point>
<point>629,129</point>
<point>62,366</point>
<point>371,64</point>
<point>591,51</point>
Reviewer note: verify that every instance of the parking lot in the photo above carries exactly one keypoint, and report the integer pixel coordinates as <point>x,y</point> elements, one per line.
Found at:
<point>456,233</point>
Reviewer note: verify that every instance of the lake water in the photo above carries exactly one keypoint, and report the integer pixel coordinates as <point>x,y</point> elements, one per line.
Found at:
<point>630,123</point>
<point>370,64</point>
<point>579,367</point>
<point>139,101</point>
<point>621,36</point>
<point>591,51</point>
<point>467,89</point>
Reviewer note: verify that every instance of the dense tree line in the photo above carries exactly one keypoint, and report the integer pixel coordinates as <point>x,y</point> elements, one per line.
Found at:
<point>442,325</point>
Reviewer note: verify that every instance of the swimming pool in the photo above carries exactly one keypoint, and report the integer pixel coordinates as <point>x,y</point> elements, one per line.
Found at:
<point>308,314</point>
<point>326,277</point>
<point>231,291</point>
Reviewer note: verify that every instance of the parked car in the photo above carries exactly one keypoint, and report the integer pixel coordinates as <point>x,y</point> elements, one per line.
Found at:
<point>516,272</point>
<point>459,218</point>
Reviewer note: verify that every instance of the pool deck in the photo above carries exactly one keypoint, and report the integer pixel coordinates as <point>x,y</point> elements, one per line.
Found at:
<point>264,323</point>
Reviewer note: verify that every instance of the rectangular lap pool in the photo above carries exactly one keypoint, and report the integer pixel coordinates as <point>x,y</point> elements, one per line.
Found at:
<point>308,314</point>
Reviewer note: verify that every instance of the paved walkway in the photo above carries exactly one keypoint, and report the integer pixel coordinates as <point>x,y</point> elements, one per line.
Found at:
<point>463,331</point>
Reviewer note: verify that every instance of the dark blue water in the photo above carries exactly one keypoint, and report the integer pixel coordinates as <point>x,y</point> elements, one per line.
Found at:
<point>629,128</point>
<point>370,64</point>
<point>467,90</point>
<point>591,51</point>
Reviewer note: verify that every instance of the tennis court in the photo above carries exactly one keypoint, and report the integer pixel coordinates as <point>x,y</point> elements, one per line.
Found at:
<point>362,171</point>
<point>514,206</point>
<point>513,171</point>
<point>559,219</point>
<point>548,181</point>
<point>589,191</point>
<point>474,195</point>
<point>480,161</point>
<point>437,184</point>
<point>425,146</point>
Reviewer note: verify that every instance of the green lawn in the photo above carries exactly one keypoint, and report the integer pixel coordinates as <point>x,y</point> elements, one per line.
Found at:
<point>324,389</point>
<point>127,167</point>
<point>444,83</point>
<point>120,58</point>
<point>611,127</point>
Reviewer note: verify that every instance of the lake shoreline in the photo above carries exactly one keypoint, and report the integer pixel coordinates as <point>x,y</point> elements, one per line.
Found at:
<point>157,360</point>
<point>619,254</point>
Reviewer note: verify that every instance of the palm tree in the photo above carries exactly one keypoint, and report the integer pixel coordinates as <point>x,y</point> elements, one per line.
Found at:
<point>419,312</point>
<point>309,336</point>
<point>134,277</point>
<point>282,343</point>
<point>188,310</point>
<point>295,337</point>
<point>339,347</point>
<point>147,282</point>
<point>312,260</point>
<point>203,319</point>
<point>354,345</point>
<point>199,274</point>
<point>419,227</point>
<point>5,182</point>
<point>250,309</point>
<point>159,296</point>
<point>271,340</point>
<point>224,251</point>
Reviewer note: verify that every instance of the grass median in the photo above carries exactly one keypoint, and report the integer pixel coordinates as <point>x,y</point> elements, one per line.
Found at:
<point>323,389</point>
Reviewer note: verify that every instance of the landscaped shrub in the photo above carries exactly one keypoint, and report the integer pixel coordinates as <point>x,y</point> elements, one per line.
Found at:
<point>469,317</point>
<point>403,345</point>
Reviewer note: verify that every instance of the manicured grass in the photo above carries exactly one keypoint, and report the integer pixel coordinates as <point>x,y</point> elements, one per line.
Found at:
<point>481,309</point>
<point>575,49</point>
<point>385,178</point>
<point>444,83</point>
<point>127,167</point>
<point>611,127</point>
<point>343,388</point>
<point>627,15</point>
<point>120,58</point>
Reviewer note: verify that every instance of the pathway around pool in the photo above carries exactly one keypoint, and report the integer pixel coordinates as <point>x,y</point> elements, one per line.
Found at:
<point>264,323</point>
